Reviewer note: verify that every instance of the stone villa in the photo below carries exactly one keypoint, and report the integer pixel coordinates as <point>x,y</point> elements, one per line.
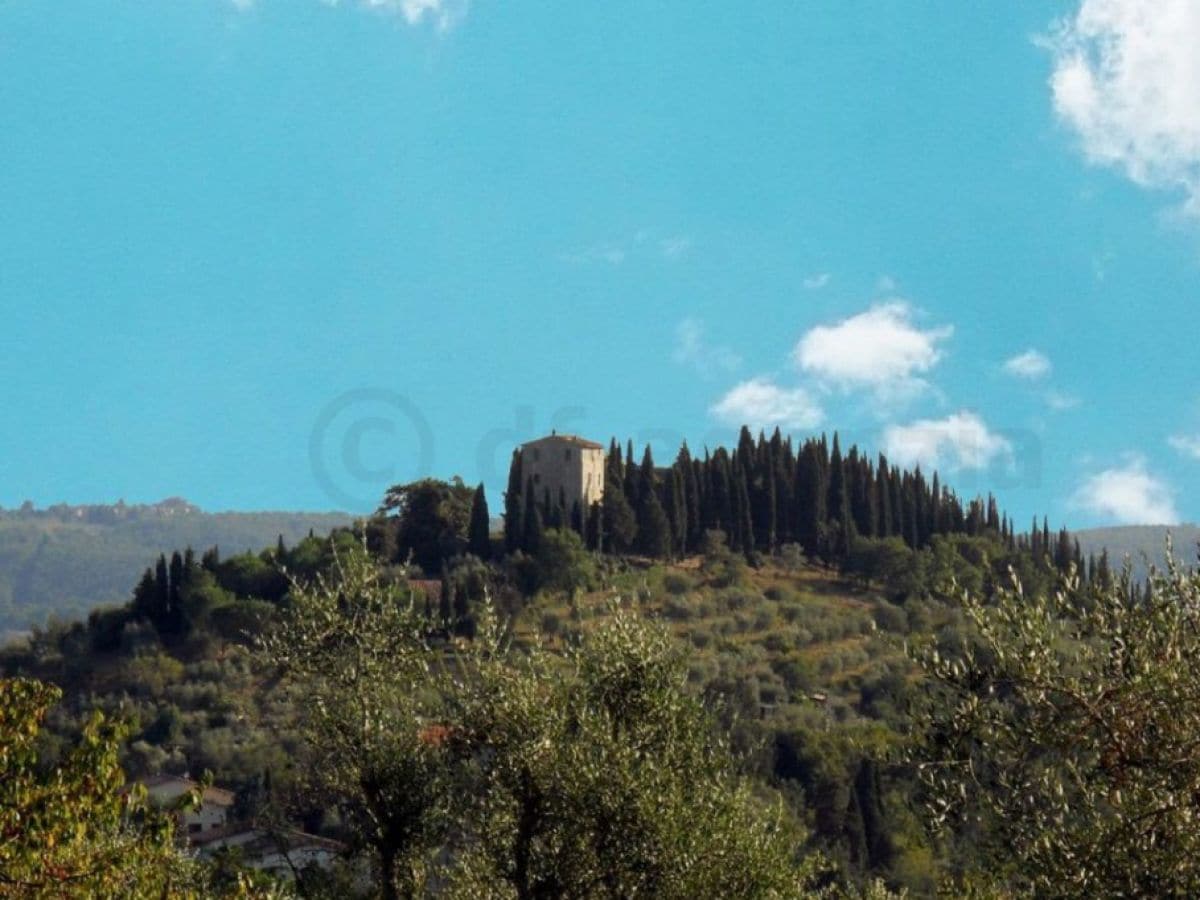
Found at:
<point>566,464</point>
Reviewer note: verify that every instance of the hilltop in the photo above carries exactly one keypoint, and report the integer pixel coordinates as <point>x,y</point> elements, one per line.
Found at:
<point>65,560</point>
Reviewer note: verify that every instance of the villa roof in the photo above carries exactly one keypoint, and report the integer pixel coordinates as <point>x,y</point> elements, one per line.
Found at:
<point>572,439</point>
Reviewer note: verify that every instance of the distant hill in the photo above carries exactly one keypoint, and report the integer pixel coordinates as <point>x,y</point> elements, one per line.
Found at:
<point>66,560</point>
<point>1141,541</point>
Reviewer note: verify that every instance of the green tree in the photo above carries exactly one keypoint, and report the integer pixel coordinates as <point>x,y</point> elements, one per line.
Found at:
<point>432,520</point>
<point>75,829</point>
<point>479,540</point>
<point>605,779</point>
<point>620,524</point>
<point>353,648</point>
<point>1063,734</point>
<point>654,529</point>
<point>534,522</point>
<point>514,505</point>
<point>563,563</point>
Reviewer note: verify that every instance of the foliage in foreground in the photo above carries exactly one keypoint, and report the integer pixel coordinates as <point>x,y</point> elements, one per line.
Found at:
<point>1064,737</point>
<point>495,773</point>
<point>75,830</point>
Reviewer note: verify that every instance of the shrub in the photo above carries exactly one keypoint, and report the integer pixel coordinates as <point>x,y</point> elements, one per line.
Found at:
<point>677,584</point>
<point>891,618</point>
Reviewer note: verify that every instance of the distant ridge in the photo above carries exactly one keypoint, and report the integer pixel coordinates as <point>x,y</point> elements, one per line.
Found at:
<point>67,559</point>
<point>1141,542</point>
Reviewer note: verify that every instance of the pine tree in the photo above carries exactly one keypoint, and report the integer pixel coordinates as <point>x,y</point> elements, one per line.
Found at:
<point>479,540</point>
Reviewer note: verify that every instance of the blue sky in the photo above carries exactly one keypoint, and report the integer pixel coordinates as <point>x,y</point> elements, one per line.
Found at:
<point>281,253</point>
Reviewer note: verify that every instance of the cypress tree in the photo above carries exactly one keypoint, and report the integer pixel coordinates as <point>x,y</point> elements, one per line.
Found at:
<point>632,480</point>
<point>692,503</point>
<point>620,523</point>
<point>595,528</point>
<point>531,539</point>
<point>514,503</point>
<point>883,498</point>
<point>479,541</point>
<point>676,510</point>
<point>743,519</point>
<point>144,596</point>
<point>810,499</point>
<point>654,530</point>
<point>839,503</point>
<point>1064,552</point>
<point>160,611</point>
<point>646,480</point>
<point>175,596</point>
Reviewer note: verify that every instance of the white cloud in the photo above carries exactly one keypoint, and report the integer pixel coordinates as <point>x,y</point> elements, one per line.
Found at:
<point>1127,81</point>
<point>1187,444</point>
<point>760,403</point>
<point>1031,365</point>
<point>442,14</point>
<point>959,441</point>
<point>691,349</point>
<point>880,349</point>
<point>1060,401</point>
<point>817,281</point>
<point>1128,495</point>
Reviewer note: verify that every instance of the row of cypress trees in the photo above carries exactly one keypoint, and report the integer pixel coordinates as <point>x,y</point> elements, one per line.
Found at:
<point>764,493</point>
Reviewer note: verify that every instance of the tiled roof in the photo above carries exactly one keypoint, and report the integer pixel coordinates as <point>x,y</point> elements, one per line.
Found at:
<point>215,795</point>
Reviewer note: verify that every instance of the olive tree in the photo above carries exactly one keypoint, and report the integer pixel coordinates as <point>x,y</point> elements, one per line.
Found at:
<point>353,649</point>
<point>1064,736</point>
<point>481,769</point>
<point>598,775</point>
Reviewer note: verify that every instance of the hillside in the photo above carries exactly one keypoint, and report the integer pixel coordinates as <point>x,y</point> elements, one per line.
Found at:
<point>805,667</point>
<point>1140,542</point>
<point>67,560</point>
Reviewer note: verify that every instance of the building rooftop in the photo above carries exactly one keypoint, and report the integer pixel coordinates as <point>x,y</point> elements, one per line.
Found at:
<point>573,439</point>
<point>215,795</point>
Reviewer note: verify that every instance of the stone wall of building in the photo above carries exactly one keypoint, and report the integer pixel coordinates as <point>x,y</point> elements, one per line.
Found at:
<point>567,464</point>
